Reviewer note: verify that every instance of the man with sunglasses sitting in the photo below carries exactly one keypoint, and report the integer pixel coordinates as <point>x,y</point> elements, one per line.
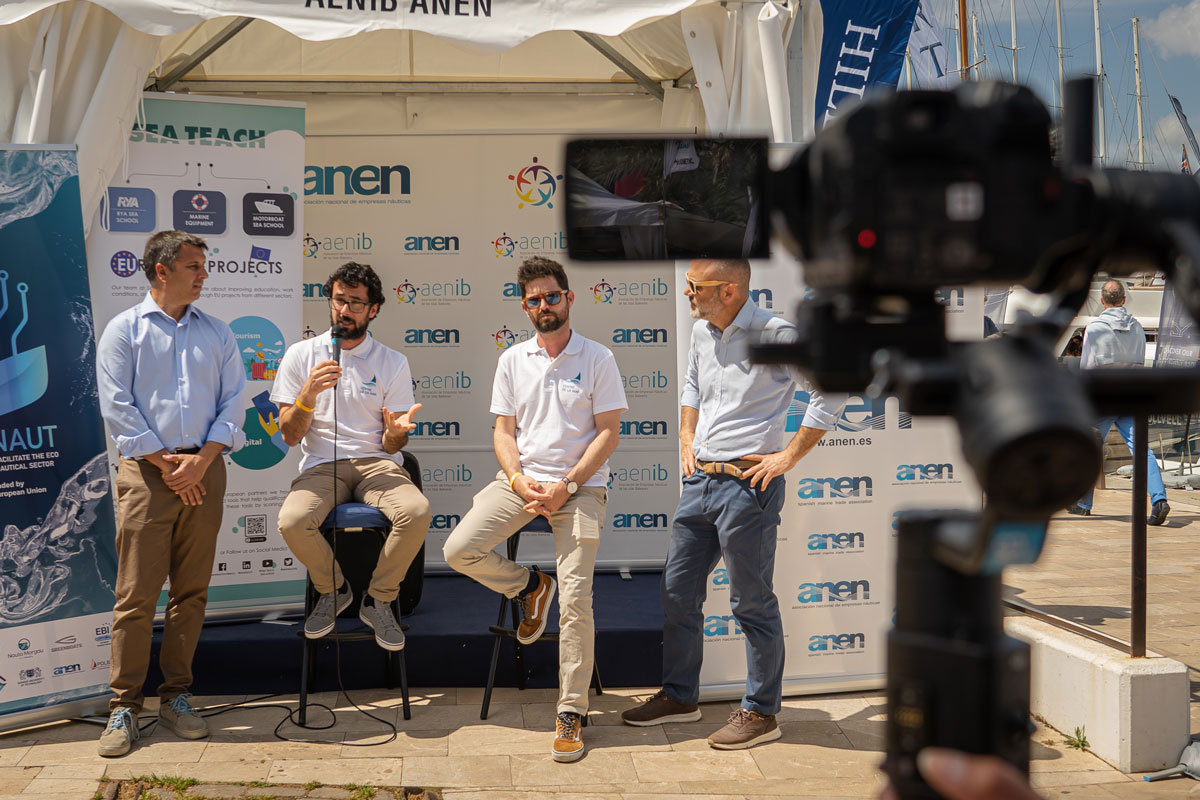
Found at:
<point>350,420</point>
<point>733,453</point>
<point>558,401</point>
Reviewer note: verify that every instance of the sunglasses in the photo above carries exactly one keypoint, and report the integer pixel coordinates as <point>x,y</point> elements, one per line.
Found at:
<point>535,300</point>
<point>692,285</point>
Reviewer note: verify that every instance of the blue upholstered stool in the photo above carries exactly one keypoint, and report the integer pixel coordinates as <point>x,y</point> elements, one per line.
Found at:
<point>538,524</point>
<point>357,532</point>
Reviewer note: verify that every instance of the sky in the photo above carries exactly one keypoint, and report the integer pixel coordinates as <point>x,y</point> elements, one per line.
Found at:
<point>1170,56</point>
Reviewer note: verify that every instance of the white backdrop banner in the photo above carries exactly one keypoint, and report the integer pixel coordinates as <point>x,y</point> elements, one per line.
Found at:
<point>835,560</point>
<point>445,221</point>
<point>230,172</point>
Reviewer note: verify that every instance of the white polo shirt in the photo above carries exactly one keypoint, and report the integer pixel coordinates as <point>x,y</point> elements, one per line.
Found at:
<point>555,402</point>
<point>373,376</point>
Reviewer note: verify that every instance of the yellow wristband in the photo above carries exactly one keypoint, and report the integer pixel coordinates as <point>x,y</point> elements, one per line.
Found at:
<point>513,480</point>
<point>302,407</point>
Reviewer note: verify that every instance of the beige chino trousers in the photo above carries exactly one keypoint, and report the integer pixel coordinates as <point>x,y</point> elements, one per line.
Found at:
<point>496,514</point>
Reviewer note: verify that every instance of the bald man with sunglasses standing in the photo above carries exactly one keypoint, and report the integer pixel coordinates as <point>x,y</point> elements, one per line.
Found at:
<point>558,401</point>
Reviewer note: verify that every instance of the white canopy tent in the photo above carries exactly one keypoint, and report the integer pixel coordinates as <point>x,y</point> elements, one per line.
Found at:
<point>74,71</point>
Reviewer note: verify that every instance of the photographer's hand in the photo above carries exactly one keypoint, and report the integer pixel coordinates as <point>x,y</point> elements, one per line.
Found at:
<point>961,776</point>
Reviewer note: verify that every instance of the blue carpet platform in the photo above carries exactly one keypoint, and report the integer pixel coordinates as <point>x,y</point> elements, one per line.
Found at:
<point>448,644</point>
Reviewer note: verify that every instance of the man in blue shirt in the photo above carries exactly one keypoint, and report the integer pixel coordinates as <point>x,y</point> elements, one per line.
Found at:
<point>171,383</point>
<point>733,453</point>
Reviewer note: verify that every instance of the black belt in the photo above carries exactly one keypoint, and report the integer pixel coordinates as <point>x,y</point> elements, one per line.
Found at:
<point>731,468</point>
<point>187,451</point>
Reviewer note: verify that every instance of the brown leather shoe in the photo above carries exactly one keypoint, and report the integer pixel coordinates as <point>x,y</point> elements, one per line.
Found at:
<point>745,728</point>
<point>659,710</point>
<point>534,607</point>
<point>568,737</point>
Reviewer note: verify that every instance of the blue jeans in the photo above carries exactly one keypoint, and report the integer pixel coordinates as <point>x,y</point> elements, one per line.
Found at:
<point>721,516</point>
<point>1154,481</point>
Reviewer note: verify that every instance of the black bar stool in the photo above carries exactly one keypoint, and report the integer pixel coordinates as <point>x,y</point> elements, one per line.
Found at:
<point>358,532</point>
<point>538,524</point>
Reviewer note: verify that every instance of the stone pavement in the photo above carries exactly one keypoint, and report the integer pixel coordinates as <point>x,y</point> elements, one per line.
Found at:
<point>830,748</point>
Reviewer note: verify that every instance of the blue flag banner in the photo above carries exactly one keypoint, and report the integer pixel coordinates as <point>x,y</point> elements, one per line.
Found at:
<point>57,549</point>
<point>862,47</point>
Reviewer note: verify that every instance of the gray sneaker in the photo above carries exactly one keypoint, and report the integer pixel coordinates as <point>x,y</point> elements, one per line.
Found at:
<point>119,734</point>
<point>745,729</point>
<point>324,614</point>
<point>380,619</point>
<point>179,716</point>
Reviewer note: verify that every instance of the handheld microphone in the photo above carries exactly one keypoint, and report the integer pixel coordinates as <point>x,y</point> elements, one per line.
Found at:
<point>335,334</point>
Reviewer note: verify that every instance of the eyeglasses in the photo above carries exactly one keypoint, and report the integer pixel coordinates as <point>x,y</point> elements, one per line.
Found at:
<point>535,300</point>
<point>355,306</point>
<point>692,285</point>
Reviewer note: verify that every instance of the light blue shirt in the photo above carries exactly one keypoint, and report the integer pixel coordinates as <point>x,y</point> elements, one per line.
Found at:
<point>743,406</point>
<point>168,384</point>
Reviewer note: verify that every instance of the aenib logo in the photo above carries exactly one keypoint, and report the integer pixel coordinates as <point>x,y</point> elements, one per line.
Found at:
<point>535,185</point>
<point>860,413</point>
<point>506,338</point>
<point>124,264</point>
<point>629,292</point>
<point>834,592</point>
<point>504,245</point>
<point>458,474</point>
<point>364,179</point>
<point>827,542</point>
<point>406,293</point>
<point>818,488</point>
<point>837,643</point>
<point>448,384</point>
<point>635,478</point>
<point>653,382</point>
<point>432,293</point>
<point>349,243</point>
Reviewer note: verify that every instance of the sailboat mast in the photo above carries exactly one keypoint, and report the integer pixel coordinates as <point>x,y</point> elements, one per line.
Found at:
<point>1099,82</point>
<point>976,43</point>
<point>963,63</point>
<point>1062,83</point>
<point>1012,15</point>
<point>1137,74</point>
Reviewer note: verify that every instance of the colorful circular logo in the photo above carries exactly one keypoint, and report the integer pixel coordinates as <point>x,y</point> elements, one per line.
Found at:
<point>504,338</point>
<point>602,292</point>
<point>23,644</point>
<point>310,246</point>
<point>123,263</point>
<point>406,293</point>
<point>504,246</point>
<point>199,201</point>
<point>535,185</point>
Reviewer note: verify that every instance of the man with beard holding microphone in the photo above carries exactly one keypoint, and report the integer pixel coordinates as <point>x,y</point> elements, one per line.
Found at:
<point>558,401</point>
<point>337,403</point>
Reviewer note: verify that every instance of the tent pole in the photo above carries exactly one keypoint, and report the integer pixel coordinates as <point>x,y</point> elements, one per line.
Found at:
<point>192,61</point>
<point>612,54</point>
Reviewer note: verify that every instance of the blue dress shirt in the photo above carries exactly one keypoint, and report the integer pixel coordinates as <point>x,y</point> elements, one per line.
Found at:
<point>743,406</point>
<point>168,384</point>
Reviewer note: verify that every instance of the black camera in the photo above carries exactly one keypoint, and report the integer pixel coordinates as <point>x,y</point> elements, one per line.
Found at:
<point>906,193</point>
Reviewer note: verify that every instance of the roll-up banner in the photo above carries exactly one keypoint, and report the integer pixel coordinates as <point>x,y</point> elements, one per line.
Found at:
<point>231,172</point>
<point>445,221</point>
<point>57,550</point>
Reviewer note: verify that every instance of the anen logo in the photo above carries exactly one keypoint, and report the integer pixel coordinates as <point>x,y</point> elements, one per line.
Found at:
<point>643,427</point>
<point>836,541</point>
<point>431,244</point>
<point>67,669</point>
<point>816,488</point>
<point>836,641</point>
<point>639,521</point>
<point>834,591</point>
<point>762,298</point>
<point>436,428</point>
<point>860,413</point>
<point>639,336</point>
<point>721,626</point>
<point>431,336</point>
<point>444,522</point>
<point>366,179</point>
<point>925,472</point>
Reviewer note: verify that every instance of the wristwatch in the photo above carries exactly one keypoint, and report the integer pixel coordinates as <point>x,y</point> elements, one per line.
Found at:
<point>572,486</point>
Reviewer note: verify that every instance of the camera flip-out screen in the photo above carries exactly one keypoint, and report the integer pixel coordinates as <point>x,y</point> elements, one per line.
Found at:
<point>652,199</point>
